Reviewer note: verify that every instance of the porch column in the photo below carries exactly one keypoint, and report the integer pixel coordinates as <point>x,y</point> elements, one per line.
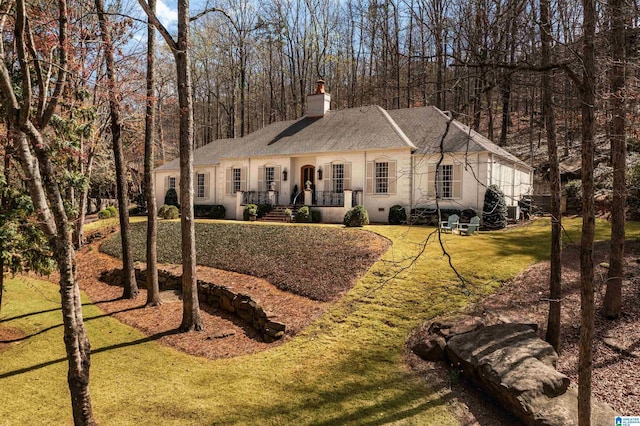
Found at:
<point>272,198</point>
<point>348,198</point>
<point>308,197</point>
<point>239,209</point>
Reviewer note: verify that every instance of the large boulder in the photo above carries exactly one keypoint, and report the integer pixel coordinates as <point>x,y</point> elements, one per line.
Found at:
<point>517,368</point>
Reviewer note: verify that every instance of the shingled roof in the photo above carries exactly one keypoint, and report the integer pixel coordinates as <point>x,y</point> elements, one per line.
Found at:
<point>353,129</point>
<point>425,126</point>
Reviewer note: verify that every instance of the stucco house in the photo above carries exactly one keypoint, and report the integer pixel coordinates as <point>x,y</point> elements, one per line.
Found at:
<point>333,160</point>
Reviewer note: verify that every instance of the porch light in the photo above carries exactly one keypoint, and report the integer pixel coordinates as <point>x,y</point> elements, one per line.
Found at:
<point>284,174</point>
<point>319,173</point>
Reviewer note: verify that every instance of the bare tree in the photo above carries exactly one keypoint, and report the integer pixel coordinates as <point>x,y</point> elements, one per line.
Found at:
<point>613,296</point>
<point>128,274</point>
<point>587,92</point>
<point>555,278</point>
<point>191,317</point>
<point>153,292</point>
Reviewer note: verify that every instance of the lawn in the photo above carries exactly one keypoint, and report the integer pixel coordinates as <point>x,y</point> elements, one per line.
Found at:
<point>347,367</point>
<point>317,262</point>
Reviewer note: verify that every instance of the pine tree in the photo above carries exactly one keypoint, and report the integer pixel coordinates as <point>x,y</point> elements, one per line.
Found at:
<point>494,211</point>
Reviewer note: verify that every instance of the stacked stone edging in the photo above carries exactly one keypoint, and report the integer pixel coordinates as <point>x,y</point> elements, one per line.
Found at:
<point>215,296</point>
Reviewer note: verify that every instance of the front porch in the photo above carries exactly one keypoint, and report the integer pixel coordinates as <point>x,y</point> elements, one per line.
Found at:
<point>332,205</point>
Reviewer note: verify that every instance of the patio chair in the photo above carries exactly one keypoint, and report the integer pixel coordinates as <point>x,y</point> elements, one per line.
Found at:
<point>451,224</point>
<point>469,228</point>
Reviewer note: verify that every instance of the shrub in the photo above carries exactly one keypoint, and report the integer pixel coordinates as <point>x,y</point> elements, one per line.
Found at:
<point>316,216</point>
<point>397,215</point>
<point>218,211</point>
<point>494,211</point>
<point>303,215</point>
<point>171,198</point>
<point>249,210</point>
<point>467,214</point>
<point>141,204</point>
<point>573,193</point>
<point>113,211</point>
<point>163,210</point>
<point>263,209</point>
<point>169,212</point>
<point>357,216</point>
<point>104,214</point>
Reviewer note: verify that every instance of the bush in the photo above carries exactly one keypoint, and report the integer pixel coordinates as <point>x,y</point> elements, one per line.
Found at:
<point>141,204</point>
<point>113,211</point>
<point>397,215</point>
<point>169,212</point>
<point>208,211</point>
<point>466,215</point>
<point>163,210</point>
<point>218,211</point>
<point>104,214</point>
<point>494,211</point>
<point>171,198</point>
<point>249,210</point>
<point>429,215</point>
<point>263,209</point>
<point>316,216</point>
<point>357,216</point>
<point>303,215</point>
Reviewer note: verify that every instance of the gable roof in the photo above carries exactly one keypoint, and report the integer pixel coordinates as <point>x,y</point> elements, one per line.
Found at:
<point>353,129</point>
<point>425,126</point>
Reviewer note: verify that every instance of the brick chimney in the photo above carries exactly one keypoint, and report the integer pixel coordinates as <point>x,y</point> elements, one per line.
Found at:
<point>318,103</point>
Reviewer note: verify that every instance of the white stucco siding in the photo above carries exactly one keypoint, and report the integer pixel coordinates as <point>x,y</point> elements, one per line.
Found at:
<point>512,178</point>
<point>209,190</point>
<point>469,172</point>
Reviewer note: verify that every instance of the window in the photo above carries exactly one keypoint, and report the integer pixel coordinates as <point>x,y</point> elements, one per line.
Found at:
<point>200,188</point>
<point>337,175</point>
<point>382,178</point>
<point>237,179</point>
<point>444,181</point>
<point>269,175</point>
<point>172,182</point>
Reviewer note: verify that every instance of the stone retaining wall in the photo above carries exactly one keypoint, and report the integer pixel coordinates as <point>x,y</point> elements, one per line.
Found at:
<point>215,296</point>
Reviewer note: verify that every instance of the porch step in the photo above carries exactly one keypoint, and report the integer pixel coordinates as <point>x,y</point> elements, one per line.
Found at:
<point>277,214</point>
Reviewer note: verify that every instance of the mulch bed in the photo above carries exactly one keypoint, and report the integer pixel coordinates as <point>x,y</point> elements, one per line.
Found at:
<point>224,336</point>
<point>616,348</point>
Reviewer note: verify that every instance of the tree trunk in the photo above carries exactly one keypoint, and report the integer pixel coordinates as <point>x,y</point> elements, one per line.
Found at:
<point>555,278</point>
<point>613,296</point>
<point>191,318</point>
<point>47,199</point>
<point>587,90</point>
<point>153,290</point>
<point>128,274</point>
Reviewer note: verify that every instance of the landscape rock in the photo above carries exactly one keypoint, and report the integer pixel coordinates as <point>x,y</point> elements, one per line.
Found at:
<point>516,367</point>
<point>431,349</point>
<point>452,326</point>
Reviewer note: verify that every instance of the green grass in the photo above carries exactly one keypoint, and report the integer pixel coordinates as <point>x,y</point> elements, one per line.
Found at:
<point>347,367</point>
<point>293,258</point>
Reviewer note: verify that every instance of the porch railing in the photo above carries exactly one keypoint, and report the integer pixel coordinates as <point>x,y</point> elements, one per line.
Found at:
<point>259,197</point>
<point>329,198</point>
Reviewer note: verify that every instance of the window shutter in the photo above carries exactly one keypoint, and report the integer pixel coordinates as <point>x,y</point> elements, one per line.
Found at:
<point>431,180</point>
<point>228,182</point>
<point>166,184</point>
<point>262,185</point>
<point>243,179</point>
<point>347,175</point>
<point>328,181</point>
<point>393,179</point>
<point>457,181</point>
<point>277,177</point>
<point>370,177</point>
<point>207,178</point>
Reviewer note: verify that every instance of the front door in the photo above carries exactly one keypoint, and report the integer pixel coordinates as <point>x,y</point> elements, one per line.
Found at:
<point>307,174</point>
